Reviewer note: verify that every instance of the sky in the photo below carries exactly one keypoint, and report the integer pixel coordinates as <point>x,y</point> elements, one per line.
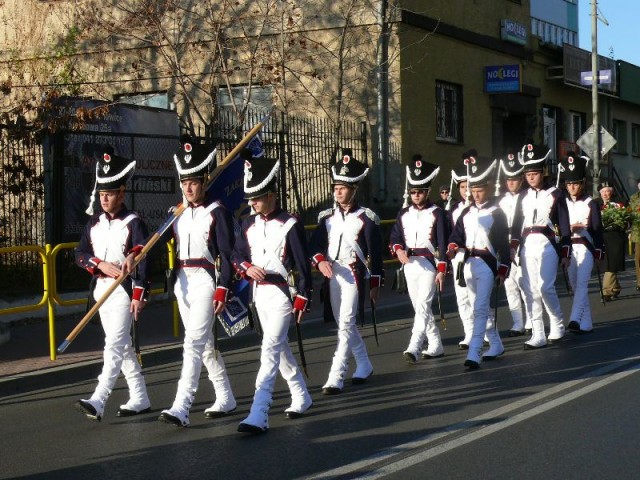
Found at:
<point>620,34</point>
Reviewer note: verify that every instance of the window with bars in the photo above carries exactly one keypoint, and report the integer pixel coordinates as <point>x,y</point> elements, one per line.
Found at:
<point>578,122</point>
<point>449,112</point>
<point>635,139</point>
<point>261,96</point>
<point>620,134</point>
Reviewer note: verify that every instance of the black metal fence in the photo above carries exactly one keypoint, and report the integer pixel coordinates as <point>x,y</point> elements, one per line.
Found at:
<point>21,189</point>
<point>306,148</point>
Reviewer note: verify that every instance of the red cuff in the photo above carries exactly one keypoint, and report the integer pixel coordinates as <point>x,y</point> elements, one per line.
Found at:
<point>317,258</point>
<point>514,244</point>
<point>300,303</point>
<point>136,250</point>
<point>375,281</point>
<point>442,267</point>
<point>220,294</point>
<point>452,246</point>
<point>138,293</point>
<point>503,270</point>
<point>93,265</point>
<point>244,266</point>
<point>395,247</point>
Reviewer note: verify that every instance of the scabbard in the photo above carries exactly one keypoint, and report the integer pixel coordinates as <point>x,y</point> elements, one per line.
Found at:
<point>254,318</point>
<point>373,321</point>
<point>215,336</point>
<point>303,360</point>
<point>495,306</point>
<point>604,302</point>
<point>442,320</point>
<point>135,338</point>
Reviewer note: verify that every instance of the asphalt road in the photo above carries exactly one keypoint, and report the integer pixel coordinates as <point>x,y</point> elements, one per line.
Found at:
<point>567,411</point>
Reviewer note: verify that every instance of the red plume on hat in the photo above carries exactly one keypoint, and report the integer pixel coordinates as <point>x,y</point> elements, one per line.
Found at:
<point>532,157</point>
<point>420,174</point>
<point>347,170</point>
<point>112,172</point>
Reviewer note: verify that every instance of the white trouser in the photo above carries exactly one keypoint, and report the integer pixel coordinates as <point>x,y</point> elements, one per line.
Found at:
<point>274,309</point>
<point>480,280</point>
<point>539,261</point>
<point>344,304</point>
<point>421,276</point>
<point>579,272</point>
<point>514,292</point>
<point>194,291</point>
<point>462,299</point>
<point>118,351</point>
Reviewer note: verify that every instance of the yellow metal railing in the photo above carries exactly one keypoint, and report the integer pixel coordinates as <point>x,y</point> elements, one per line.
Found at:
<point>50,295</point>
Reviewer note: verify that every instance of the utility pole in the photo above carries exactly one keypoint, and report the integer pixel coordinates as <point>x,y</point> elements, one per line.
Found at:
<point>595,16</point>
<point>594,95</point>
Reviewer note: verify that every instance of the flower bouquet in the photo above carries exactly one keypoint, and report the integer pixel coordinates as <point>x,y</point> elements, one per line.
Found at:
<point>616,217</point>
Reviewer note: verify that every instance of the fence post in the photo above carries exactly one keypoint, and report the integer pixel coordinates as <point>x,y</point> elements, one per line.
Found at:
<point>49,273</point>
<point>283,162</point>
<point>363,141</point>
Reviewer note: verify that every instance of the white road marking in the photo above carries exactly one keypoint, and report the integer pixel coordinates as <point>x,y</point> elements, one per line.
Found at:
<point>435,444</point>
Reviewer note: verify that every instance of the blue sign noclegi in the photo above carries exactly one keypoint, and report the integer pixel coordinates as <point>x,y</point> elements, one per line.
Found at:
<point>502,79</point>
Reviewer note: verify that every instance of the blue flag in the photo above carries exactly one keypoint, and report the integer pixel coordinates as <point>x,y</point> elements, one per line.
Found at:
<point>228,189</point>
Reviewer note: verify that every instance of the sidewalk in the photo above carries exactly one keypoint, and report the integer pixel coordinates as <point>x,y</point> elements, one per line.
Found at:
<point>25,364</point>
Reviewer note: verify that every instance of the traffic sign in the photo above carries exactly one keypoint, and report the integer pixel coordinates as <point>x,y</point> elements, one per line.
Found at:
<point>604,77</point>
<point>587,141</point>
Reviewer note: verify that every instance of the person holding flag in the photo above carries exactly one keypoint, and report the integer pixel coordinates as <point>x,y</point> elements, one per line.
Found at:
<point>586,239</point>
<point>106,236</point>
<point>271,244</point>
<point>346,248</point>
<point>481,230</point>
<point>204,243</point>
<point>421,229</point>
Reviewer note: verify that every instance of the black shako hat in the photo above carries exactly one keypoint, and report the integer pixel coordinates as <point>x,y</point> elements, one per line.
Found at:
<point>532,157</point>
<point>420,174</point>
<point>482,171</point>
<point>260,175</point>
<point>510,166</point>
<point>193,160</point>
<point>347,170</point>
<point>112,173</point>
<point>573,168</point>
<point>460,173</point>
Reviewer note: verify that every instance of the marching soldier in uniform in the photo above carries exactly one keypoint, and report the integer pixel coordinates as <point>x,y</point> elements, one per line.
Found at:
<point>271,245</point>
<point>514,177</point>
<point>586,238</point>
<point>347,250</point>
<point>465,310</point>
<point>541,209</point>
<point>419,231</point>
<point>482,231</point>
<point>105,240</point>
<point>204,238</point>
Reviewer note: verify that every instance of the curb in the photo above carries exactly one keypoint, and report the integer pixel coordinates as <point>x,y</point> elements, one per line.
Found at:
<point>88,370</point>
